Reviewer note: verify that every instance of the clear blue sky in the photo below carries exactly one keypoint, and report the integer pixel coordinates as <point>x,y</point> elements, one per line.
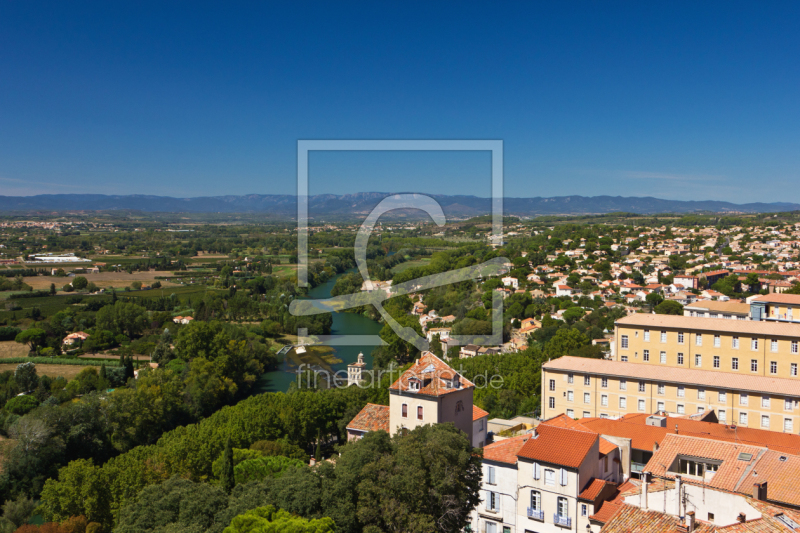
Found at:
<point>682,100</point>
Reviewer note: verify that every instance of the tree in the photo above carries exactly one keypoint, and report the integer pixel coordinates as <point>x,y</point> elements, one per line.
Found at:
<point>52,289</point>
<point>228,478</point>
<point>136,285</point>
<point>267,519</point>
<point>669,307</point>
<point>654,298</point>
<point>18,511</point>
<point>26,377</point>
<point>32,336</point>
<point>80,283</point>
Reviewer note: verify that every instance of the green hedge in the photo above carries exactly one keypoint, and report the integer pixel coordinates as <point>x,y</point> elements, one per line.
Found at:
<point>59,361</point>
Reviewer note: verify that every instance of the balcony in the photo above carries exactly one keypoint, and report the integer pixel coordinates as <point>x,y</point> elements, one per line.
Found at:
<point>563,521</point>
<point>536,515</point>
<point>637,467</point>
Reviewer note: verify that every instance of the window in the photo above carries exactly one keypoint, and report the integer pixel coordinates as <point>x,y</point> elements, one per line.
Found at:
<point>646,355</point>
<point>623,402</point>
<point>721,415</point>
<point>787,425</point>
<point>663,336</point>
<point>787,404</point>
<point>494,502</point>
<point>537,471</point>
<point>549,477</point>
<point>570,396</point>
<point>735,343</point>
<point>551,402</point>
<point>536,500</point>
<point>419,412</point>
<point>793,370</point>
<point>754,344</point>
<point>491,527</point>
<point>563,478</point>
<point>795,348</point>
<point>647,335</point>
<point>661,388</point>
<point>765,421</point>
<point>696,467</point>
<point>663,358</point>
<point>680,358</point>
<point>570,378</point>
<point>753,365</point>
<point>661,406</point>
<point>773,346</point>
<point>681,409</point>
<point>584,509</point>
<point>743,398</point>
<point>459,406</point>
<point>698,360</point>
<point>641,405</point>
<point>680,337</point>
<point>587,380</point>
<point>641,386</point>
<point>586,414</point>
<point>773,367</point>
<point>701,394</point>
<point>623,384</point>
<point>742,419</point>
<point>506,529</point>
<point>713,315</point>
<point>716,361</point>
<point>587,398</point>
<point>604,383</point>
<point>722,397</point>
<point>624,358</point>
<point>701,409</point>
<point>563,507</point>
<point>552,384</point>
<point>710,517</point>
<point>765,402</point>
<point>625,342</point>
<point>604,400</point>
<point>698,339</point>
<point>681,391</point>
<point>735,363</point>
<point>570,413</point>
<point>490,475</point>
<point>405,410</point>
<point>717,341</point>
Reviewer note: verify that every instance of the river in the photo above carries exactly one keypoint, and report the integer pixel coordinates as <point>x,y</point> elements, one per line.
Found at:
<point>343,324</point>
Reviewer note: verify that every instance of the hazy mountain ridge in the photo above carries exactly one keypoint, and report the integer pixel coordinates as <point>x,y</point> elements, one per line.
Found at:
<point>285,205</point>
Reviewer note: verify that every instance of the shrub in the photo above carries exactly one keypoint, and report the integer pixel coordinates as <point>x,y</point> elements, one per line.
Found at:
<point>20,405</point>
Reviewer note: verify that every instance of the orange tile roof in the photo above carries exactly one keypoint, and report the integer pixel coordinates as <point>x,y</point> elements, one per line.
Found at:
<point>630,519</point>
<point>559,446</point>
<point>606,446</point>
<point>593,490</point>
<point>478,413</point>
<point>741,327</point>
<point>431,372</point>
<point>606,512</point>
<point>731,471</point>
<point>780,471</point>
<point>372,417</point>
<point>720,307</point>
<point>505,451</point>
<point>778,298</point>
<point>707,378</point>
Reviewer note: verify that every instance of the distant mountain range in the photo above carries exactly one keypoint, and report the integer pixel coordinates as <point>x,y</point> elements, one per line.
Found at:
<point>359,205</point>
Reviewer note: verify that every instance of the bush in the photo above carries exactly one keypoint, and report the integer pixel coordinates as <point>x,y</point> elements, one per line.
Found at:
<point>8,333</point>
<point>21,405</point>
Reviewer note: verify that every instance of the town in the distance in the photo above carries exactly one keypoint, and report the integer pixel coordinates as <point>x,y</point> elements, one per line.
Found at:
<point>154,379</point>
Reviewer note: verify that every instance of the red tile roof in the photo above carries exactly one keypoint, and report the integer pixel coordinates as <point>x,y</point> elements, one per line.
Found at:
<point>505,451</point>
<point>432,374</point>
<point>742,327</point>
<point>606,512</point>
<point>630,519</point>
<point>560,446</point>
<point>372,417</point>
<point>593,490</point>
<point>478,413</point>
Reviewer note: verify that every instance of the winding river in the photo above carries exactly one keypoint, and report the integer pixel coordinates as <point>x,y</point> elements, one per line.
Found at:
<point>343,324</point>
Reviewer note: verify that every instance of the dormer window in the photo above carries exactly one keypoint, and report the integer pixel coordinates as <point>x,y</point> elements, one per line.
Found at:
<point>413,385</point>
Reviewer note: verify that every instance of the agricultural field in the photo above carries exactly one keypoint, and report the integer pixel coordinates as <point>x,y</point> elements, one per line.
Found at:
<point>10,349</point>
<point>54,371</point>
<point>104,280</point>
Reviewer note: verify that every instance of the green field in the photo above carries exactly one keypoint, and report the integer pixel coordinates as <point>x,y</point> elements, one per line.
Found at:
<point>411,264</point>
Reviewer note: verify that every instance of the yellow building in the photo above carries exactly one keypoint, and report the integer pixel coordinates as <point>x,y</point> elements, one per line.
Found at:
<point>741,347</point>
<point>582,387</point>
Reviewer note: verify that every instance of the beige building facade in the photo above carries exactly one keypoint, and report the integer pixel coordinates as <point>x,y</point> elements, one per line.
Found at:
<point>582,387</point>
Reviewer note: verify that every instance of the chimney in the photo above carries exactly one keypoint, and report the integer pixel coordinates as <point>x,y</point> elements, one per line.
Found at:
<point>645,475</point>
<point>690,521</point>
<point>760,491</point>
<point>678,496</point>
<point>742,518</point>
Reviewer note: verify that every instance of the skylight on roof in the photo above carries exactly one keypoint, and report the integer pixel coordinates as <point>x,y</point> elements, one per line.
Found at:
<point>428,369</point>
<point>745,456</point>
<point>786,521</point>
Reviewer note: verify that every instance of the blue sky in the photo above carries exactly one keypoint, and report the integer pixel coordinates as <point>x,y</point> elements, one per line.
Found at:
<point>681,100</point>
